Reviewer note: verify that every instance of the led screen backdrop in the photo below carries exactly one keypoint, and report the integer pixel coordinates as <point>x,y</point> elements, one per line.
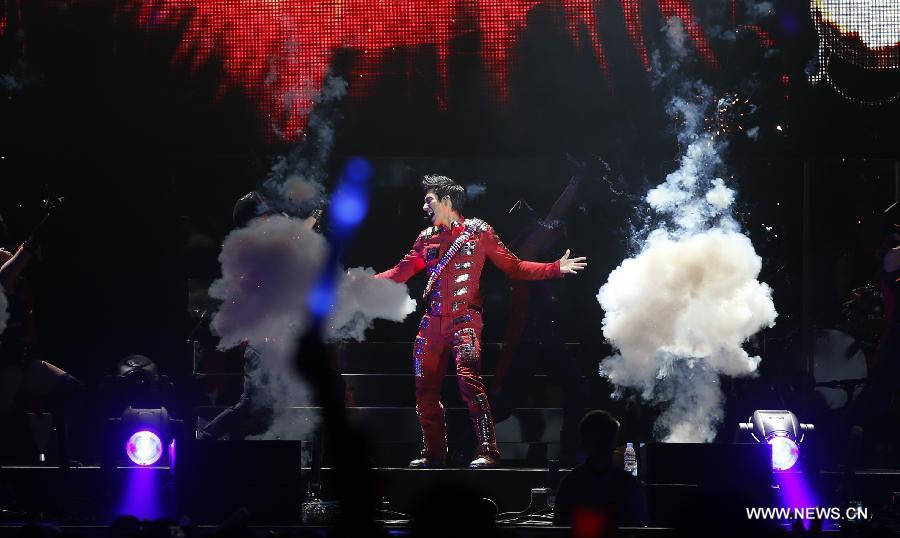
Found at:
<point>279,51</point>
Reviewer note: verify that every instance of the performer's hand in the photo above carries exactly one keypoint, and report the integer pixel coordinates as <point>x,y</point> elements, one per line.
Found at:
<point>573,265</point>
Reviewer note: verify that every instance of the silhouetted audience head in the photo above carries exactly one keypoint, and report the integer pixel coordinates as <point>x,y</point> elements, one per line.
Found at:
<point>598,433</point>
<point>453,509</point>
<point>124,527</point>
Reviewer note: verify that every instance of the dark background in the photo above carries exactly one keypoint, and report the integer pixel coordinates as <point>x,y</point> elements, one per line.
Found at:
<point>150,165</point>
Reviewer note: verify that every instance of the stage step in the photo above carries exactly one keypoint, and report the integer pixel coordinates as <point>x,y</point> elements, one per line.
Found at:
<point>400,424</point>
<point>381,358</point>
<point>530,436</point>
<point>380,394</point>
<point>397,390</point>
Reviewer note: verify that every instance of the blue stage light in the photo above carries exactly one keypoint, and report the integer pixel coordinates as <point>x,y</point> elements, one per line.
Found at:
<point>348,206</point>
<point>782,431</point>
<point>350,201</point>
<point>144,448</point>
<point>785,452</point>
<point>321,298</point>
<point>357,170</point>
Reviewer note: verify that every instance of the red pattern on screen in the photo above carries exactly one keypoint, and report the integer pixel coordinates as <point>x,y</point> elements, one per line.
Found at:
<point>765,39</point>
<point>278,51</point>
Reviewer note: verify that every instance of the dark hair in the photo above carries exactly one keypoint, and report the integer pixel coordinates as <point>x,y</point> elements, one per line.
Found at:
<point>598,430</point>
<point>444,186</point>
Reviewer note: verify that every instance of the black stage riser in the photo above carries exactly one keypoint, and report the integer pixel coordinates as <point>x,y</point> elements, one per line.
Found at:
<point>307,531</point>
<point>93,495</point>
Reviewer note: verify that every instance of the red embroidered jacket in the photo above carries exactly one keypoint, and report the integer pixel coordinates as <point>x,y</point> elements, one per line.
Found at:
<point>458,283</point>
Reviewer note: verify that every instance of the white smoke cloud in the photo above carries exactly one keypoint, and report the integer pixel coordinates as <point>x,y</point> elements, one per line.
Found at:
<point>679,311</point>
<point>676,37</point>
<point>301,191</point>
<point>362,298</point>
<point>270,266</point>
<point>296,181</point>
<point>692,297</point>
<point>268,270</point>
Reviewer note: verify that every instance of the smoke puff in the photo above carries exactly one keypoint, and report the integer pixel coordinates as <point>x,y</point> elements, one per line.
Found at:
<point>268,271</point>
<point>299,195</point>
<point>4,314</point>
<point>676,37</point>
<point>705,303</point>
<point>695,404</point>
<point>680,309</point>
<point>475,190</point>
<point>295,182</point>
<point>683,197</point>
<point>759,9</point>
<point>720,196</point>
<point>678,313</point>
<point>362,298</point>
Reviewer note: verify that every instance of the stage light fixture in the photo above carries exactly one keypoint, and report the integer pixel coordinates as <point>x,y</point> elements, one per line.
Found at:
<point>145,434</point>
<point>782,431</point>
<point>144,448</point>
<point>142,437</point>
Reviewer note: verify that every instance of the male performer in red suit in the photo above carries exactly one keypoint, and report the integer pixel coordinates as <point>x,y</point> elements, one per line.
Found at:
<point>454,250</point>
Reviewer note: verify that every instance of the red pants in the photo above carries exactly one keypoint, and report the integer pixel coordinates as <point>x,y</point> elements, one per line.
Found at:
<point>460,334</point>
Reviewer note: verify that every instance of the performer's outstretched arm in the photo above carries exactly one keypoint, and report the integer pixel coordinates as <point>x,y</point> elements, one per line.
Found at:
<point>406,268</point>
<point>518,269</point>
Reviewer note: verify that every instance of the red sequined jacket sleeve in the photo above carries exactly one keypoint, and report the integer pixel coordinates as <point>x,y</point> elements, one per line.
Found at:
<point>406,268</point>
<point>510,264</point>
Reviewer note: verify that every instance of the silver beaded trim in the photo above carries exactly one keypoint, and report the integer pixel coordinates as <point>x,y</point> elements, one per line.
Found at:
<point>484,422</point>
<point>477,225</point>
<point>460,334</point>
<point>466,346</point>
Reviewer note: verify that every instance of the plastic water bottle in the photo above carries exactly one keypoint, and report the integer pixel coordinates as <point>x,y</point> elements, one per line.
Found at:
<point>630,459</point>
